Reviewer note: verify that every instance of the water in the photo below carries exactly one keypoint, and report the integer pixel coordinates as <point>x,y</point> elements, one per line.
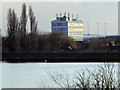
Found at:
<point>36,75</point>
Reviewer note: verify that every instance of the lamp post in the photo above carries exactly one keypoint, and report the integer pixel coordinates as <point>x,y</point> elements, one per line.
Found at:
<point>105,28</point>
<point>88,28</point>
<point>97,28</point>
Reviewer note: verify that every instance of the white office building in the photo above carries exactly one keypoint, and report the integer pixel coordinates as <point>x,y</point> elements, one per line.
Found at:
<point>72,27</point>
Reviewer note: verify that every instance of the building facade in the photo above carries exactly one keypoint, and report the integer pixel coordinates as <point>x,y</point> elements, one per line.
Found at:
<point>72,28</point>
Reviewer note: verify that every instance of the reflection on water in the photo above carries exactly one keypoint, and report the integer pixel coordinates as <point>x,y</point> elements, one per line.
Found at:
<point>35,75</point>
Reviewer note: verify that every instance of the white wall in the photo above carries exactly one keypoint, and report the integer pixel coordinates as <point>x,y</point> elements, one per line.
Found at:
<point>75,30</point>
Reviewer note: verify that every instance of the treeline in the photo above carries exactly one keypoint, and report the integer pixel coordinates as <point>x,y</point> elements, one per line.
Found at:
<point>19,39</point>
<point>103,44</point>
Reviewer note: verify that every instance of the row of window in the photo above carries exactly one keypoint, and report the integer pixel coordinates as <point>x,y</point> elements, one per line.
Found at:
<point>74,24</point>
<point>59,24</point>
<point>59,29</point>
<point>75,31</point>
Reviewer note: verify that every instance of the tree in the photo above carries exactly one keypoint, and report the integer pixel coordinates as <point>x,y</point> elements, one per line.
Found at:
<point>62,80</point>
<point>12,27</point>
<point>33,28</point>
<point>18,38</point>
<point>22,28</point>
<point>32,41</point>
<point>82,79</point>
<point>57,41</point>
<point>103,77</point>
<point>12,23</point>
<point>23,22</point>
<point>33,22</point>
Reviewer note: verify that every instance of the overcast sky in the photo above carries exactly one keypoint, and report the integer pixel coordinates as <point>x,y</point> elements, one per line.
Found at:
<point>45,12</point>
<point>93,12</point>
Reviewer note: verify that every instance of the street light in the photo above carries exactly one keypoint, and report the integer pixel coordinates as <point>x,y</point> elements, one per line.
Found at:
<point>97,28</point>
<point>87,28</point>
<point>105,28</point>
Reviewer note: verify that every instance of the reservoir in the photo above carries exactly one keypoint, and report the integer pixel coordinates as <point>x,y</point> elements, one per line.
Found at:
<point>37,75</point>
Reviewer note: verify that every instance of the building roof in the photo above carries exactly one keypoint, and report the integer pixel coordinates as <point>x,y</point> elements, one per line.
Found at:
<point>64,19</point>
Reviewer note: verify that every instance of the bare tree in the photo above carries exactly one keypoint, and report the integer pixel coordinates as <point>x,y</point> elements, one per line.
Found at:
<point>33,22</point>
<point>12,24</point>
<point>82,79</point>
<point>22,27</point>
<point>12,28</point>
<point>23,21</point>
<point>57,41</point>
<point>103,78</point>
<point>33,29</point>
<point>62,80</point>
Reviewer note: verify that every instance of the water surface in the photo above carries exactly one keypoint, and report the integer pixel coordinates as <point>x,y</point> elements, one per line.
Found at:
<point>36,75</point>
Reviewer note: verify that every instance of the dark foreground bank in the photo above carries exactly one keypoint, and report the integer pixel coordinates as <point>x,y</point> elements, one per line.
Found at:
<point>61,57</point>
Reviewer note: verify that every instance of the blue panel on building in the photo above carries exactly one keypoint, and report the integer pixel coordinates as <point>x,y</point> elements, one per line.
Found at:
<point>59,24</point>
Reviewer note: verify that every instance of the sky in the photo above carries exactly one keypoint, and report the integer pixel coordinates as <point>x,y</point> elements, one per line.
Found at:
<point>88,10</point>
<point>45,12</point>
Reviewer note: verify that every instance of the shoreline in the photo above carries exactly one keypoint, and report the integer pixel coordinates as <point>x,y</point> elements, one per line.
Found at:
<point>61,57</point>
